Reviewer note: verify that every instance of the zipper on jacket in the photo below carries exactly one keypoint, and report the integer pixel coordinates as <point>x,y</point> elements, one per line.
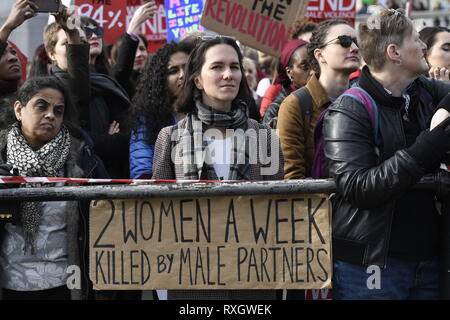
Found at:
<point>388,236</point>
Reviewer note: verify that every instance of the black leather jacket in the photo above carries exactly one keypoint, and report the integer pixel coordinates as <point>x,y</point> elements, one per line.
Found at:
<point>370,178</point>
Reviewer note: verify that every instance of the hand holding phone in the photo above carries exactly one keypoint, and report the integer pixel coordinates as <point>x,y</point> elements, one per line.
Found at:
<point>20,11</point>
<point>47,5</point>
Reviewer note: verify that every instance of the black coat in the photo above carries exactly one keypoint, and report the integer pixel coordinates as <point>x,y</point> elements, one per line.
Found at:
<point>99,100</point>
<point>370,179</point>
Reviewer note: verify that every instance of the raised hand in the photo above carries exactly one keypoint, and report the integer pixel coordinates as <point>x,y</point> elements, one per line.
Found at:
<point>22,10</point>
<point>142,14</point>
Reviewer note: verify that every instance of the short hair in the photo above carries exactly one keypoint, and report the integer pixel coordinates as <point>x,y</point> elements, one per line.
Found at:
<point>428,35</point>
<point>32,86</point>
<point>302,25</point>
<point>387,26</point>
<point>50,38</point>
<point>318,40</point>
<point>185,100</point>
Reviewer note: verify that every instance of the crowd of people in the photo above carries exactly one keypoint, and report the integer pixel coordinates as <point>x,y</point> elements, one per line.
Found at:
<point>89,111</point>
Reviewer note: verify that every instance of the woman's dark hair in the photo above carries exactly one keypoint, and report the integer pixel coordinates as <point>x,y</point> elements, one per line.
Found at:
<point>101,62</point>
<point>32,86</point>
<point>318,40</point>
<point>40,62</point>
<point>428,35</point>
<point>153,102</point>
<point>302,25</point>
<point>114,52</point>
<point>185,101</point>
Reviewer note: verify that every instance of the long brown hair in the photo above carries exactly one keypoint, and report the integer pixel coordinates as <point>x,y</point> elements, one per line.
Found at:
<point>185,101</point>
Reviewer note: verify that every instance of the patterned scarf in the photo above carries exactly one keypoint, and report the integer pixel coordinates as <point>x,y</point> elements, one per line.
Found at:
<point>194,145</point>
<point>45,162</point>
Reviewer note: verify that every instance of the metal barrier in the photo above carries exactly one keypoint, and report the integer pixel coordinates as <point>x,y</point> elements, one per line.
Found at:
<point>438,182</point>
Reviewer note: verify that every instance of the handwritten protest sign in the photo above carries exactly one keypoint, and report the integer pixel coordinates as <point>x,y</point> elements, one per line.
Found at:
<point>183,16</point>
<point>115,15</point>
<point>262,24</point>
<point>247,242</point>
<point>320,10</point>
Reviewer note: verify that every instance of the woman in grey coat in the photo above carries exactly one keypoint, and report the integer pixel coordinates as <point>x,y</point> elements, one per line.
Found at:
<point>217,140</point>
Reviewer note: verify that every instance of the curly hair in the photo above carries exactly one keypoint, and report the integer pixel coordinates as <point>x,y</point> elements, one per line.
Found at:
<point>153,101</point>
<point>318,39</point>
<point>301,26</point>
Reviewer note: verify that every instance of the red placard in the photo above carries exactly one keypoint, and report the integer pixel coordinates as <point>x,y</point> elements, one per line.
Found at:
<point>115,15</point>
<point>319,10</point>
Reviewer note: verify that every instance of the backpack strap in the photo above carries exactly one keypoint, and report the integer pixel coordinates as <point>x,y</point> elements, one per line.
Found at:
<point>370,105</point>
<point>305,104</point>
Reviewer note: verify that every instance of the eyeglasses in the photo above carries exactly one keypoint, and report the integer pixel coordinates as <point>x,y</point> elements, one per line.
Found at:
<point>97,30</point>
<point>344,41</point>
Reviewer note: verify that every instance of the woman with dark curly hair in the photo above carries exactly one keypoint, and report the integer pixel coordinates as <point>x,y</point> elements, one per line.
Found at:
<point>152,107</point>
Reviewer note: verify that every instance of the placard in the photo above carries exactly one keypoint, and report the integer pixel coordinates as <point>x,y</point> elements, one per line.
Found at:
<point>115,15</point>
<point>320,10</point>
<point>242,242</point>
<point>183,16</point>
<point>262,24</point>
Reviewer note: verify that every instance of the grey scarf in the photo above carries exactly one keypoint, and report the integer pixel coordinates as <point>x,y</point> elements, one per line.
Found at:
<point>194,144</point>
<point>45,162</point>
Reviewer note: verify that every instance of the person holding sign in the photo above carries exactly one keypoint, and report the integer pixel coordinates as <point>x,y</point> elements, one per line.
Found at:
<point>50,237</point>
<point>386,234</point>
<point>333,55</point>
<point>214,140</point>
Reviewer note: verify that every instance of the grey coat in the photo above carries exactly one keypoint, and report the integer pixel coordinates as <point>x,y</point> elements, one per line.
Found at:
<point>164,168</point>
<point>72,208</point>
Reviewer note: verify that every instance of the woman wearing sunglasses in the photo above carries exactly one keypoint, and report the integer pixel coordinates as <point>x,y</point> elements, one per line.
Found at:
<point>333,55</point>
<point>102,104</point>
<point>94,35</point>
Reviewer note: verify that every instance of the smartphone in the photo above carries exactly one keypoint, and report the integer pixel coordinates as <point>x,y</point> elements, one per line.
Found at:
<point>47,5</point>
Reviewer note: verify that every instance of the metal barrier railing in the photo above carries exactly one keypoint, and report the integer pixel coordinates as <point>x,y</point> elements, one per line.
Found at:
<point>439,182</point>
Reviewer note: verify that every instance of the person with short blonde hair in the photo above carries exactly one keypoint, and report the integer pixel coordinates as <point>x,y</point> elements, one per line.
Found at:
<point>378,145</point>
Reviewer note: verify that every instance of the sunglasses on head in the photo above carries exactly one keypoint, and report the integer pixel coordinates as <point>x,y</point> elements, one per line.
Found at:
<point>90,31</point>
<point>344,41</point>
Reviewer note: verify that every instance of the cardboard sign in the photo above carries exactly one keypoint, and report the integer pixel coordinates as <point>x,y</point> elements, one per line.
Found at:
<point>247,242</point>
<point>262,24</point>
<point>183,16</point>
<point>320,10</point>
<point>115,15</point>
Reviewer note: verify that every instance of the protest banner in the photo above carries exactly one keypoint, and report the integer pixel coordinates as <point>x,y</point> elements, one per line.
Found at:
<point>115,15</point>
<point>261,24</point>
<point>320,10</point>
<point>239,242</point>
<point>183,16</point>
